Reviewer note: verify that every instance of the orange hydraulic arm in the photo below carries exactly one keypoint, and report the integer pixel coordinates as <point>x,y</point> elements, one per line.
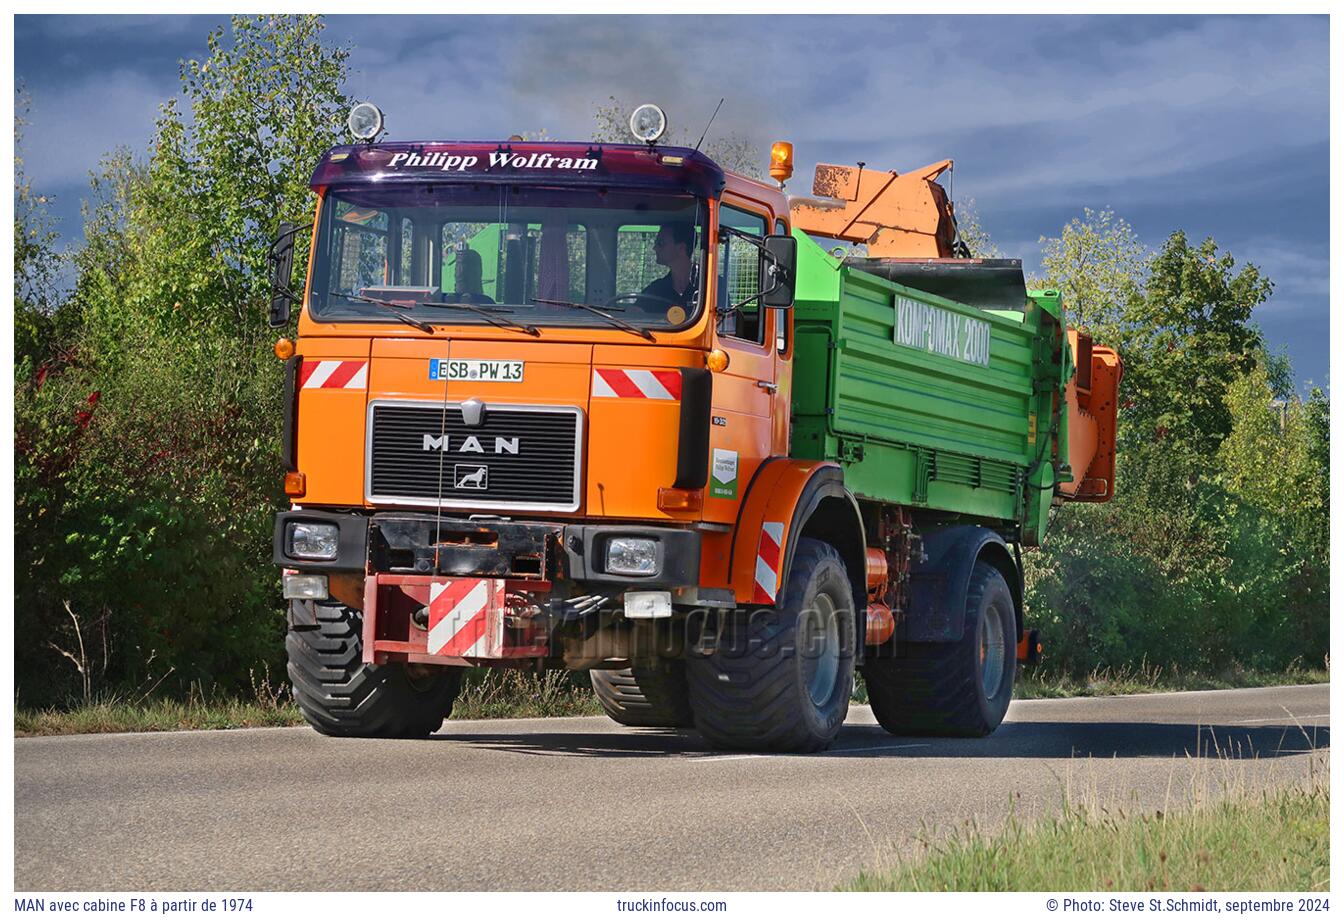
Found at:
<point>1090,398</point>
<point>898,215</point>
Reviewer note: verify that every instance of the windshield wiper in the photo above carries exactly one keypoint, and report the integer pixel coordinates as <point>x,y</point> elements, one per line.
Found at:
<point>615,321</point>
<point>394,309</point>
<point>391,307</point>
<point>502,322</point>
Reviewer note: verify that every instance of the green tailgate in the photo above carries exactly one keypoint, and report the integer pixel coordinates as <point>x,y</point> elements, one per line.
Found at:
<point>925,401</point>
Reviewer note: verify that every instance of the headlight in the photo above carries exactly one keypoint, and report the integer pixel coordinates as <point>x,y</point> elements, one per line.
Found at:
<point>312,541</point>
<point>648,123</point>
<point>365,121</point>
<point>632,556</point>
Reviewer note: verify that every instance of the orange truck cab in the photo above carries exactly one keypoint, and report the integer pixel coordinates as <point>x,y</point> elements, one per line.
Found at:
<point>542,430</point>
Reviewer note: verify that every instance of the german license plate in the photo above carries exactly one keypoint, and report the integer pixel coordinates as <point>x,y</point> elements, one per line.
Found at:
<point>487,371</point>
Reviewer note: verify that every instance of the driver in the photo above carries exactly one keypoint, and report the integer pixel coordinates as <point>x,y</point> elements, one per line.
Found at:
<point>672,249</point>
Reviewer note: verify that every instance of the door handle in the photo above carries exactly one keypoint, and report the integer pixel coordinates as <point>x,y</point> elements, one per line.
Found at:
<point>767,386</point>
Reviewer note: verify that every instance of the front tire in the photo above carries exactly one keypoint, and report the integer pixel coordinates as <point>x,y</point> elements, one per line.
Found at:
<point>645,696</point>
<point>341,696</point>
<point>959,689</point>
<point>781,677</point>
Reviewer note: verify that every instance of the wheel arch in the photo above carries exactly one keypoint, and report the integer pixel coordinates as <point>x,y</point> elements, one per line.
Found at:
<point>939,584</point>
<point>797,499</point>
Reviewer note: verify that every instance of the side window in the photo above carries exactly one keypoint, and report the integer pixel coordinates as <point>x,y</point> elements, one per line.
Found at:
<point>781,316</point>
<point>739,276</point>
<point>359,249</point>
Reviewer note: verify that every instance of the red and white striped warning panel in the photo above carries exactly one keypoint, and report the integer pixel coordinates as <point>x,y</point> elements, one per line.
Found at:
<point>769,554</point>
<point>466,618</point>
<point>333,375</point>
<point>619,383</point>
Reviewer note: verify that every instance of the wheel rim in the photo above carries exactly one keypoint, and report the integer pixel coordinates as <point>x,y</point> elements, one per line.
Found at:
<point>991,652</point>
<point>821,649</point>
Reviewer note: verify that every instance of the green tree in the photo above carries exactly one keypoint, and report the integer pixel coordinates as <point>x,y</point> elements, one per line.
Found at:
<point>1271,463</point>
<point>1266,458</point>
<point>148,473</point>
<point>1189,336</point>
<point>1214,552</point>
<point>972,232</point>
<point>1098,265</point>
<point>263,108</point>
<point>36,261</point>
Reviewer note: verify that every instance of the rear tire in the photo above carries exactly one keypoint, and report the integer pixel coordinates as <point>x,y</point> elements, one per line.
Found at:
<point>341,696</point>
<point>645,696</point>
<point>952,688</point>
<point>781,677</point>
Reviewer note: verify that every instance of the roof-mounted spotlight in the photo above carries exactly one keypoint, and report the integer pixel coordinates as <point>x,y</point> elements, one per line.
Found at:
<point>648,123</point>
<point>365,121</point>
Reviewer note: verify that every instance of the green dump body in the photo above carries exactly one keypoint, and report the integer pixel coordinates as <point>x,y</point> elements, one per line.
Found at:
<point>927,402</point>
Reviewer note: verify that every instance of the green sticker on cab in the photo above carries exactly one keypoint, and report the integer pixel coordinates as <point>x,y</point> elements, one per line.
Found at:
<point>723,474</point>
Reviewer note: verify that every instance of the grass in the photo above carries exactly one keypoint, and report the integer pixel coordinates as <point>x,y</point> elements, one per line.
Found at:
<point>486,694</point>
<point>506,694</point>
<point>1274,841</point>
<point>269,706</point>
<point>1041,683</point>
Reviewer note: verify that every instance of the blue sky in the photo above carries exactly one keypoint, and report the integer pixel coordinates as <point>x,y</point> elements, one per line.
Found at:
<point>1215,125</point>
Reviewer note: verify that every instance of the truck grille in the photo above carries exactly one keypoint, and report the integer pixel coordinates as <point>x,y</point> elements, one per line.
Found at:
<point>527,458</point>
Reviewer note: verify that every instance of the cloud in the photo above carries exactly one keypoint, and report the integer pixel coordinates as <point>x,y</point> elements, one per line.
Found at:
<point>119,28</point>
<point>74,125</point>
<point>1216,124</point>
<point>1298,269</point>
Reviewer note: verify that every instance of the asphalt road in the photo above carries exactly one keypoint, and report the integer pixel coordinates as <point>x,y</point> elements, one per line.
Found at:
<point>585,804</point>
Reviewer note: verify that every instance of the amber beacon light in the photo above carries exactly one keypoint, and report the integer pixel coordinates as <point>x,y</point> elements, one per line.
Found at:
<point>781,161</point>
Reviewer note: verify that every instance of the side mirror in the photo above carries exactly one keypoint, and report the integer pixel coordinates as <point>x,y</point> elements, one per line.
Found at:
<point>779,263</point>
<point>282,272</point>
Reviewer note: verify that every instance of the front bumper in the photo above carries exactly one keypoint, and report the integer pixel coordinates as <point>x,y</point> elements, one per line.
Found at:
<point>421,544</point>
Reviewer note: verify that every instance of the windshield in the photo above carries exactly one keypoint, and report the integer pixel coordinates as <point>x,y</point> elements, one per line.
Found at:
<point>525,254</point>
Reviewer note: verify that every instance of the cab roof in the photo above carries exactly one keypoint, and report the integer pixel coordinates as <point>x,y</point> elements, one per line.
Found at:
<point>568,164</point>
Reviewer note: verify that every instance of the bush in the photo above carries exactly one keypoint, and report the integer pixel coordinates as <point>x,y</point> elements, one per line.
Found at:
<point>145,500</point>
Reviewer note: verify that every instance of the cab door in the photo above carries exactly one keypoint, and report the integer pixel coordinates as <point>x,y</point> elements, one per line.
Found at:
<point>746,391</point>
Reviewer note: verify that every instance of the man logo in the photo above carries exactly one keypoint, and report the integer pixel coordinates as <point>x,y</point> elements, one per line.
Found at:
<point>469,445</point>
<point>466,476</point>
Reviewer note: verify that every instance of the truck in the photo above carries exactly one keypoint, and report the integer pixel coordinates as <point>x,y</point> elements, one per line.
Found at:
<point>613,408</point>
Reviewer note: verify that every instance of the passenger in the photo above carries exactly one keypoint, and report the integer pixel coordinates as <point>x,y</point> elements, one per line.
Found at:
<point>467,280</point>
